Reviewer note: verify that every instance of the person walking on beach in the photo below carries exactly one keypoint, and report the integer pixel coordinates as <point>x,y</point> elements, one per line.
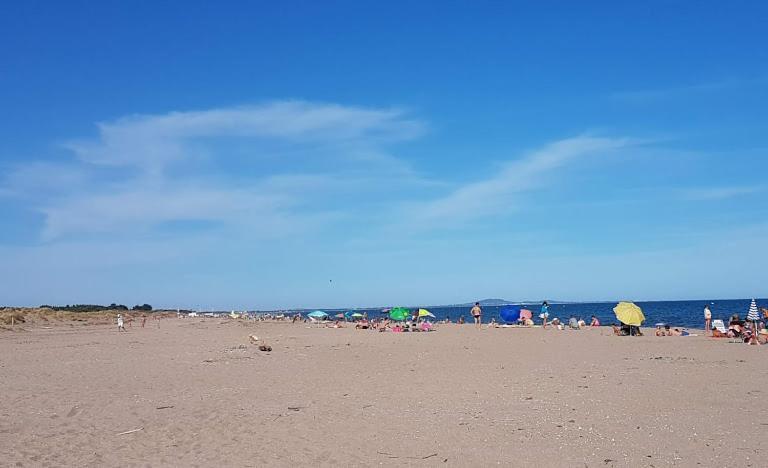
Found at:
<point>707,319</point>
<point>544,314</point>
<point>120,326</point>
<point>477,314</point>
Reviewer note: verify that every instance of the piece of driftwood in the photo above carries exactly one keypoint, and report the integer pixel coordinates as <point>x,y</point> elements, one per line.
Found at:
<point>131,431</point>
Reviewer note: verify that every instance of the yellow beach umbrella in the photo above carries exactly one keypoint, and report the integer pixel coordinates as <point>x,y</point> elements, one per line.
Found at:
<point>425,313</point>
<point>629,314</point>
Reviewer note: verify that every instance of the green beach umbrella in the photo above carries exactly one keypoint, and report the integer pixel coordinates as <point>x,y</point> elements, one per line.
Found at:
<point>399,314</point>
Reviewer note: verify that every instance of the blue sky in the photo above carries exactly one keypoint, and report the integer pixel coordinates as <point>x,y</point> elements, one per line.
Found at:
<point>305,154</point>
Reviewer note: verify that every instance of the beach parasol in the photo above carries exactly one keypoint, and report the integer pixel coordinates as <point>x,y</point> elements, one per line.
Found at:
<point>318,314</point>
<point>399,314</point>
<point>425,313</point>
<point>526,314</point>
<point>629,314</point>
<point>510,313</point>
<point>357,315</point>
<point>753,315</point>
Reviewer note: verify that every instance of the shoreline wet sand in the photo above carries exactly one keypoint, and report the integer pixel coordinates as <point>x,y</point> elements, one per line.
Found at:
<point>195,392</point>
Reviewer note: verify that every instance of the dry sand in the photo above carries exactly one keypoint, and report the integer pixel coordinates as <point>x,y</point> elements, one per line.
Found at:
<point>201,395</point>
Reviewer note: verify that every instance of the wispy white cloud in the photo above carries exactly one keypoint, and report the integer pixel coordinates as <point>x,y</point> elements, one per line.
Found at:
<point>153,141</point>
<point>496,194</point>
<point>145,170</point>
<point>655,94</point>
<point>720,193</point>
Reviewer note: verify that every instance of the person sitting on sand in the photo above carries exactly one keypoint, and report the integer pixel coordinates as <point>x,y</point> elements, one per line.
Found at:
<point>573,324</point>
<point>461,320</point>
<point>660,331</point>
<point>528,322</point>
<point>426,326</point>
<point>336,324</point>
<point>617,330</point>
<point>718,334</point>
<point>582,323</point>
<point>595,322</point>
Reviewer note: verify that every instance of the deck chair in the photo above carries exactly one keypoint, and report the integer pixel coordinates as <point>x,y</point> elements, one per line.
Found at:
<point>720,325</point>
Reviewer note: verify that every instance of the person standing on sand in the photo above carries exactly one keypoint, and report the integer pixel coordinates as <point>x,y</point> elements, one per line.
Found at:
<point>120,326</point>
<point>477,314</point>
<point>544,314</point>
<point>707,319</point>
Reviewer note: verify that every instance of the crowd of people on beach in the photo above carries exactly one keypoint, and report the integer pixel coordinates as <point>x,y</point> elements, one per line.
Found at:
<point>748,331</point>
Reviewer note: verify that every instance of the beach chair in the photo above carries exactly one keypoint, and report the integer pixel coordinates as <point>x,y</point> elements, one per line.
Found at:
<point>720,325</point>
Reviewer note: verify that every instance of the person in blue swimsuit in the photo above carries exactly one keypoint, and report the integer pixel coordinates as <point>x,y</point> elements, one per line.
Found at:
<point>544,313</point>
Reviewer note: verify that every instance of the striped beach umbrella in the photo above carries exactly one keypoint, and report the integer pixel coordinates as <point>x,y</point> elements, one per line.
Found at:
<point>753,315</point>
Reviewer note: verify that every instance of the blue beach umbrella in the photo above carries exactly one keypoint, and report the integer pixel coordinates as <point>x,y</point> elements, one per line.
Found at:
<point>510,313</point>
<point>318,314</point>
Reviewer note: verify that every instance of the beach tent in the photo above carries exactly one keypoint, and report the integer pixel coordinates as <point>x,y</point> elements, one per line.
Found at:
<point>399,314</point>
<point>510,313</point>
<point>425,313</point>
<point>629,314</point>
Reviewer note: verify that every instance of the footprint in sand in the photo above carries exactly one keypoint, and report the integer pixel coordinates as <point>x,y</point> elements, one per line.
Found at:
<point>73,411</point>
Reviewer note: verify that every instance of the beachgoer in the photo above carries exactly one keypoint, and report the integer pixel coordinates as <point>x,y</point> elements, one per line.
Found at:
<point>143,320</point>
<point>461,320</point>
<point>477,314</point>
<point>707,319</point>
<point>582,323</point>
<point>573,324</point>
<point>120,326</point>
<point>595,322</point>
<point>544,313</point>
<point>659,331</point>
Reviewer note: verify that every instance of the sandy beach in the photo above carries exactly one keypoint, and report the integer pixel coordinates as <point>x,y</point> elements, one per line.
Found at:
<point>195,392</point>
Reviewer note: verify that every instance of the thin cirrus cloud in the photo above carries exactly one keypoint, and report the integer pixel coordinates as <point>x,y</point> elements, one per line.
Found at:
<point>145,171</point>
<point>155,178</point>
<point>152,141</point>
<point>496,194</point>
<point>721,193</point>
<point>657,94</point>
